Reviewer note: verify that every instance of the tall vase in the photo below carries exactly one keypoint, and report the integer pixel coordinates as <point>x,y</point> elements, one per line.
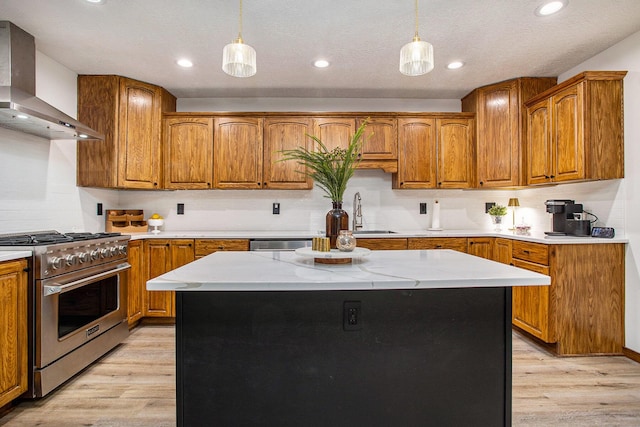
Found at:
<point>337,219</point>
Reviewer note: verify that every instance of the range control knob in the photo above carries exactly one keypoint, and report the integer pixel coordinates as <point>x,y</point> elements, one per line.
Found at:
<point>122,249</point>
<point>104,252</point>
<point>113,251</point>
<point>95,254</point>
<point>83,257</point>
<point>55,263</point>
<point>70,260</point>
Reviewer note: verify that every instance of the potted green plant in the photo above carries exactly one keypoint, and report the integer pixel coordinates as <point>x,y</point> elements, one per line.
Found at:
<point>331,171</point>
<point>497,212</point>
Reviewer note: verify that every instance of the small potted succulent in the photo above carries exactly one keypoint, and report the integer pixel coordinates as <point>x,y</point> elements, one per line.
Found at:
<point>497,212</point>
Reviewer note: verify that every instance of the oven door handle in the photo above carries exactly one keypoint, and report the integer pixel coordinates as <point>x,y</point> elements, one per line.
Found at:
<point>57,289</point>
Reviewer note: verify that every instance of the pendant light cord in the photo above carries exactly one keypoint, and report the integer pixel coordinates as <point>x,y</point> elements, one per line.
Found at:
<point>416,35</point>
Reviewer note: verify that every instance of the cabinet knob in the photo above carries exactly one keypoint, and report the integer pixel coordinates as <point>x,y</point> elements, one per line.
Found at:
<point>258,184</point>
<point>481,182</point>
<point>221,247</point>
<point>526,252</point>
<point>264,184</point>
<point>209,184</point>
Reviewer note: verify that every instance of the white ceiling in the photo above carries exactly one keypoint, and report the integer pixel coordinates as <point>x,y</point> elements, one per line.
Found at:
<point>497,40</point>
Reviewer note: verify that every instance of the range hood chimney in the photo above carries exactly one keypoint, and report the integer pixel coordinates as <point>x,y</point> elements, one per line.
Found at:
<point>19,108</point>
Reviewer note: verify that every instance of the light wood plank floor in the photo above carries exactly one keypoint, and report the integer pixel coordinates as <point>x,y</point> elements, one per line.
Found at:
<point>134,386</point>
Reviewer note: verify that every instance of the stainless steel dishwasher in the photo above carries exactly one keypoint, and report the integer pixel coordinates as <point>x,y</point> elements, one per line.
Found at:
<point>278,244</point>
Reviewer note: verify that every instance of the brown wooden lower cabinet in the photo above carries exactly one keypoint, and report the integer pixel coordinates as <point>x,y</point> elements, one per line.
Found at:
<point>480,246</point>
<point>136,283</point>
<point>13,330</point>
<point>456,243</point>
<point>163,255</point>
<point>392,243</point>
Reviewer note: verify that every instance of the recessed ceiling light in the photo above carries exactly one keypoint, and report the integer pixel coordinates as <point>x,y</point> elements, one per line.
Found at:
<point>96,1</point>
<point>455,65</point>
<point>22,116</point>
<point>185,63</point>
<point>321,63</point>
<point>550,8</point>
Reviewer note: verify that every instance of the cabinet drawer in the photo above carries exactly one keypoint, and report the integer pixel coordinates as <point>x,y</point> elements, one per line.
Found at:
<point>208,246</point>
<point>456,243</point>
<point>382,244</point>
<point>538,268</point>
<point>532,252</point>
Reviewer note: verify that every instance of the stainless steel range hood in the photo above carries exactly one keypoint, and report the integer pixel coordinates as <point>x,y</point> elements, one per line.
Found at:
<point>20,109</point>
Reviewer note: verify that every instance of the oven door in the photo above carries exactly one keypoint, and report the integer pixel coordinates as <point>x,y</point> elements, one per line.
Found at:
<point>75,308</point>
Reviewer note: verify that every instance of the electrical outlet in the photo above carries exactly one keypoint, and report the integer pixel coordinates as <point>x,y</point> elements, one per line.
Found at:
<point>276,208</point>
<point>180,209</point>
<point>352,316</point>
<point>99,209</point>
<point>488,206</point>
<point>423,208</point>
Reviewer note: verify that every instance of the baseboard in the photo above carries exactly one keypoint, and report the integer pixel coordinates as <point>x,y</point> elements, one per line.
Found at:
<point>633,355</point>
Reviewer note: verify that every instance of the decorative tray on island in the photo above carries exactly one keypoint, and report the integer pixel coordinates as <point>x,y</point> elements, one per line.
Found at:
<point>334,256</point>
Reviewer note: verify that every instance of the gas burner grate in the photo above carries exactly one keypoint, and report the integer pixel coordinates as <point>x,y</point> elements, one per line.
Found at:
<point>49,238</point>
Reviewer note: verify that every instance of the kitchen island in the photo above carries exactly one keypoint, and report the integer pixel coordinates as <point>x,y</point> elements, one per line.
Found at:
<point>394,338</point>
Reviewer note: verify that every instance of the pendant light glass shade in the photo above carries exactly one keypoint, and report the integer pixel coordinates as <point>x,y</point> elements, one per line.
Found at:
<point>416,58</point>
<point>239,59</point>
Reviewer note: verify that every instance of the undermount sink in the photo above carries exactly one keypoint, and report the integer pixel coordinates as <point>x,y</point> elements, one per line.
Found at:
<point>374,232</point>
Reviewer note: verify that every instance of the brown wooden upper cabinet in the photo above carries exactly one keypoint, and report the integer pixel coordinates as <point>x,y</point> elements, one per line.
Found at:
<point>501,129</point>
<point>575,130</point>
<point>247,152</point>
<point>128,112</point>
<point>380,148</point>
<point>188,153</point>
<point>237,152</point>
<point>435,152</point>
<point>285,133</point>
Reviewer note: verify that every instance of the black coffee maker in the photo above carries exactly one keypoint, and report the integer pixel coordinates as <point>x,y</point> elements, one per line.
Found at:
<point>568,218</point>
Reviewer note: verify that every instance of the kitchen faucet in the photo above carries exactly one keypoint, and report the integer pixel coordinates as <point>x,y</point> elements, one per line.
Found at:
<point>357,212</point>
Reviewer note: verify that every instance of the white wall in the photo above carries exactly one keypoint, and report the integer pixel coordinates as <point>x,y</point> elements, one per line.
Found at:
<point>38,189</point>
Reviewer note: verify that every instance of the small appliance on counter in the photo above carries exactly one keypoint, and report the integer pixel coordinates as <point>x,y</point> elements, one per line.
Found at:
<point>569,219</point>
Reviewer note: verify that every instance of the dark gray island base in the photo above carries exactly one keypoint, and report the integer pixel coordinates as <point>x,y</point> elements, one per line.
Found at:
<point>423,357</point>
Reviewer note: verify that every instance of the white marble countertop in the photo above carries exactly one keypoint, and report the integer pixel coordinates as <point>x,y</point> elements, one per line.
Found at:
<point>11,255</point>
<point>287,271</point>
<point>537,237</point>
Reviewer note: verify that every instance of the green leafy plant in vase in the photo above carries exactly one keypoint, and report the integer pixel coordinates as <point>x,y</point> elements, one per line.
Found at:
<point>497,212</point>
<point>331,171</point>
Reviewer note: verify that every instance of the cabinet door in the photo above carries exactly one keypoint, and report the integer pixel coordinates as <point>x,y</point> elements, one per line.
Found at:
<point>334,132</point>
<point>531,309</point>
<point>498,145</point>
<point>502,249</point>
<point>567,131</point>
<point>158,261</point>
<point>539,154</point>
<point>455,153</point>
<point>380,139</point>
<point>13,330</point>
<point>182,252</point>
<point>136,284</point>
<point>285,134</point>
<point>416,154</point>
<point>481,246</point>
<point>237,153</point>
<point>188,153</point>
<point>139,153</point>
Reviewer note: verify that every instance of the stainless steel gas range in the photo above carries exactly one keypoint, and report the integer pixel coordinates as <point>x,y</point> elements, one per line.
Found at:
<point>77,301</point>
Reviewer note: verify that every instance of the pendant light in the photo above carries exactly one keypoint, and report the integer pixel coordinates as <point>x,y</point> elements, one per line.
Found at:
<point>416,57</point>
<point>238,58</point>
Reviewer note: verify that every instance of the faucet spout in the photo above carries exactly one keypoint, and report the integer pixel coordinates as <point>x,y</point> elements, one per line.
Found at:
<point>357,212</point>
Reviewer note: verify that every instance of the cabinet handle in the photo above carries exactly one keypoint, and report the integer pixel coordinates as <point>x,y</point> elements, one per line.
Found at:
<point>511,263</point>
<point>438,246</point>
<point>526,252</point>
<point>439,184</point>
<point>221,247</point>
<point>167,245</point>
<point>155,184</point>
<point>553,176</point>
<point>401,184</point>
<point>471,243</point>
